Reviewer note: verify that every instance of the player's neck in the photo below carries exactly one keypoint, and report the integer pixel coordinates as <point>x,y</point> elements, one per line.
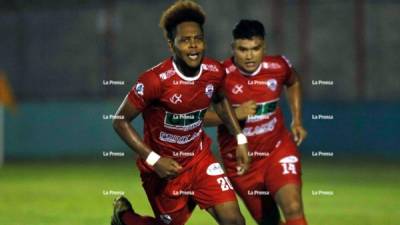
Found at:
<point>184,69</point>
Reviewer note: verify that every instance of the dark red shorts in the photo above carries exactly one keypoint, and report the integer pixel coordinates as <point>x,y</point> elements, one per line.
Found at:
<point>204,184</point>
<point>267,175</point>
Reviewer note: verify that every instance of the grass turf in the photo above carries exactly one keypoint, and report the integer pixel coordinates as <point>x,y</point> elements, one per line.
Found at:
<point>60,193</point>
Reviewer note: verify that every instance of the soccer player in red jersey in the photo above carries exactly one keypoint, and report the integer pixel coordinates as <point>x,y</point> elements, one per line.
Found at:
<point>176,166</point>
<point>254,82</point>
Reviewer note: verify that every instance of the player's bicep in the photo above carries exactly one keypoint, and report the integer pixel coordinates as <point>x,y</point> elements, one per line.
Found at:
<point>292,78</point>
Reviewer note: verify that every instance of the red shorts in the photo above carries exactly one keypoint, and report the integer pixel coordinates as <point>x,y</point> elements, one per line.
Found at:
<point>173,201</point>
<point>267,175</point>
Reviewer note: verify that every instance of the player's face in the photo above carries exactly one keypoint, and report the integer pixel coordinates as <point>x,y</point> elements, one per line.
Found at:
<point>189,44</point>
<point>248,53</point>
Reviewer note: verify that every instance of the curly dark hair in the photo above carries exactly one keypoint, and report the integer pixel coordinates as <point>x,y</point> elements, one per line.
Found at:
<point>181,11</point>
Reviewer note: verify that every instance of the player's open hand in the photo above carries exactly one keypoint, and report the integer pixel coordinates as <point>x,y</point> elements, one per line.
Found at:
<point>167,168</point>
<point>242,159</point>
<point>299,133</point>
<point>246,109</point>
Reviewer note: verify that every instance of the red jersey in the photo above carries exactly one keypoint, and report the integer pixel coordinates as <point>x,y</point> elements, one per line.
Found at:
<point>264,129</point>
<point>173,107</point>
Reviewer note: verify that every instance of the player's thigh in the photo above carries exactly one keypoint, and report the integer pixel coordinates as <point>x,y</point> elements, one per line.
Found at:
<point>289,199</point>
<point>227,213</point>
<point>213,191</point>
<point>252,190</point>
<point>167,207</point>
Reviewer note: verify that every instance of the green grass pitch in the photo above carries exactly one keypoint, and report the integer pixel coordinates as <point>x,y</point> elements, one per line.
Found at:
<point>50,193</point>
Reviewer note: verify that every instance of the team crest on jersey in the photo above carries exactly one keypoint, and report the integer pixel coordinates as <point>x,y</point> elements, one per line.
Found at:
<point>209,90</point>
<point>272,84</point>
<point>139,88</point>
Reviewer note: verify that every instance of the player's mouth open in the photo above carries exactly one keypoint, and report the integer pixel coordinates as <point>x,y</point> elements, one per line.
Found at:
<point>193,56</point>
<point>250,64</point>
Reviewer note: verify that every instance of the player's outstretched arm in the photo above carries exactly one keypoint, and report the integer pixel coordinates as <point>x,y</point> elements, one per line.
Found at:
<point>164,167</point>
<point>224,110</point>
<point>246,109</point>
<point>295,102</point>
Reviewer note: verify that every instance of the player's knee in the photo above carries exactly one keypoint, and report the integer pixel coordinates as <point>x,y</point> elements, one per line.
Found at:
<point>293,208</point>
<point>232,219</point>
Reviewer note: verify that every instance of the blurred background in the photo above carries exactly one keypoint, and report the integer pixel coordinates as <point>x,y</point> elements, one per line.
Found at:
<point>69,64</point>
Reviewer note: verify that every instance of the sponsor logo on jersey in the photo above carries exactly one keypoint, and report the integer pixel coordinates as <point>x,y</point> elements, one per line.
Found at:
<point>139,89</point>
<point>176,98</point>
<point>177,139</point>
<point>215,169</point>
<point>167,219</point>
<point>237,89</point>
<point>272,65</point>
<point>167,74</point>
<point>260,129</point>
<point>230,69</point>
<point>209,90</point>
<point>272,84</point>
<point>184,121</point>
<point>210,67</point>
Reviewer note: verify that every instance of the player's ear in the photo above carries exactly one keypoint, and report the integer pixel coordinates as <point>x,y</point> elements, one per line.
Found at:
<point>265,46</point>
<point>232,47</point>
<point>171,45</point>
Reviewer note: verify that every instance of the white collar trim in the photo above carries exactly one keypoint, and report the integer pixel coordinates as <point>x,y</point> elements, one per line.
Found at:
<point>185,77</point>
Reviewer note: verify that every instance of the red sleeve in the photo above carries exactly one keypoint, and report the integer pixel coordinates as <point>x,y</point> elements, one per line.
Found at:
<point>290,78</point>
<point>146,89</point>
<point>222,72</point>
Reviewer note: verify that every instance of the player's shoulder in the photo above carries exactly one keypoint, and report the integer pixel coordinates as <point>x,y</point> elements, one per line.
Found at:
<point>275,61</point>
<point>229,66</point>
<point>211,65</point>
<point>161,71</point>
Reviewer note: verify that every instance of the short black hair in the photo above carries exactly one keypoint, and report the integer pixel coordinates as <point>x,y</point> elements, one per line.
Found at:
<point>247,29</point>
<point>181,11</point>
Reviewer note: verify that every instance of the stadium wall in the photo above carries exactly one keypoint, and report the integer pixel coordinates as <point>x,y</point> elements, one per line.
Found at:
<point>83,129</point>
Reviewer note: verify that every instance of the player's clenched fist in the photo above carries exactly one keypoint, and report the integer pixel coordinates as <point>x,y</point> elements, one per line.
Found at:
<point>299,133</point>
<point>242,159</point>
<point>167,168</point>
<point>246,109</point>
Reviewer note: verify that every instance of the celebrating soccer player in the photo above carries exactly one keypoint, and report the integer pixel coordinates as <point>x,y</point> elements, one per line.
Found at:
<point>255,82</point>
<point>177,168</point>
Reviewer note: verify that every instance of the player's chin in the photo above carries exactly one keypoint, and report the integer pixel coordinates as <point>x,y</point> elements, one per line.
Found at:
<point>193,63</point>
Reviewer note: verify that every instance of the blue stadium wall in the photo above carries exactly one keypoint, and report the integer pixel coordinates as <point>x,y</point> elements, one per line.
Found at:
<point>81,129</point>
